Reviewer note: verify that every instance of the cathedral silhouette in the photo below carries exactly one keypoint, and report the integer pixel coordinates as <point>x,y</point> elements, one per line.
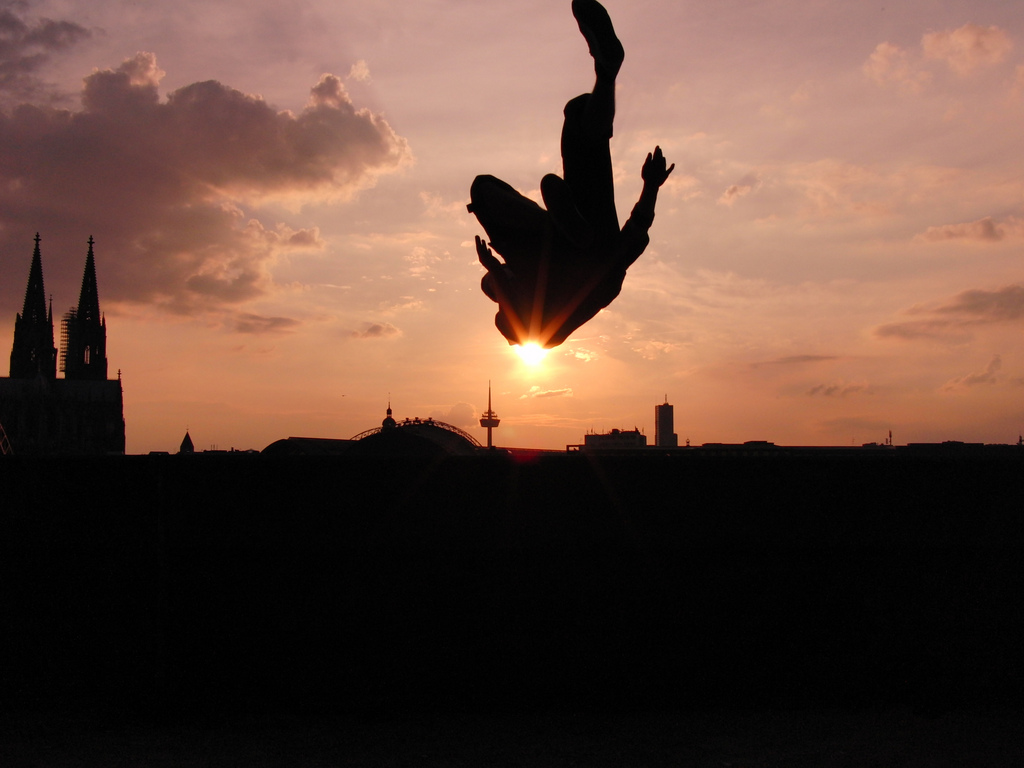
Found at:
<point>83,413</point>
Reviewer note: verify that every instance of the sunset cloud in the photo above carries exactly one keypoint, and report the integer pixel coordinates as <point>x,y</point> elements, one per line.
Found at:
<point>986,376</point>
<point>536,391</point>
<point>360,72</point>
<point>794,360</point>
<point>952,320</point>
<point>586,355</point>
<point>25,47</point>
<point>963,50</point>
<point>890,64</point>
<point>421,260</point>
<point>967,48</point>
<point>376,331</point>
<point>1006,304</point>
<point>162,183</point>
<point>984,230</point>
<point>257,324</point>
<point>651,350</point>
<point>743,187</point>
<point>838,389</point>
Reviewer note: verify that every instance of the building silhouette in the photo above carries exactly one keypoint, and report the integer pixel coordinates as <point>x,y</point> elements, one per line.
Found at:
<point>664,434</point>
<point>410,437</point>
<point>83,413</point>
<point>616,440</point>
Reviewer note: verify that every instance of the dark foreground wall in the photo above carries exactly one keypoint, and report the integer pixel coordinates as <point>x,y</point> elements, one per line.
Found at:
<point>618,581</point>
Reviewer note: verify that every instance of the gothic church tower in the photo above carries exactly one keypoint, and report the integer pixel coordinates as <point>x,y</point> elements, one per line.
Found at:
<point>83,354</point>
<point>33,353</point>
<point>80,414</point>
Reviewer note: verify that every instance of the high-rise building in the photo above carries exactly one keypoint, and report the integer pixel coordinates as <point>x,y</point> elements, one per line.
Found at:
<point>664,436</point>
<point>83,413</point>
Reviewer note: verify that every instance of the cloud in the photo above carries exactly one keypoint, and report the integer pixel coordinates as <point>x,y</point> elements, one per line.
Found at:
<point>838,389</point>
<point>459,415</point>
<point>586,355</point>
<point>795,360</point>
<point>538,392</point>
<point>963,50</point>
<point>257,324</point>
<point>360,71</point>
<point>744,186</point>
<point>987,376</point>
<point>376,331</point>
<point>421,260</point>
<point>984,230</point>
<point>952,321</point>
<point>1006,304</point>
<point>952,331</point>
<point>831,189</point>
<point>298,239</point>
<point>651,350</point>
<point>436,207</point>
<point>403,304</point>
<point>967,48</point>
<point>162,183</point>
<point>890,64</point>
<point>25,48</point>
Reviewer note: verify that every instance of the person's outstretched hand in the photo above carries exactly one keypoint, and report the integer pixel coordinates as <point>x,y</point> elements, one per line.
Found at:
<point>654,170</point>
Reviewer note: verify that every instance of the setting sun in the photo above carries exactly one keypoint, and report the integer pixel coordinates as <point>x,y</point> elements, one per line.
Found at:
<point>531,353</point>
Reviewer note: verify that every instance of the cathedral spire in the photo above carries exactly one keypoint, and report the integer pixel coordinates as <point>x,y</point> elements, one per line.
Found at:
<point>89,297</point>
<point>35,295</point>
<point>33,353</point>
<point>84,331</point>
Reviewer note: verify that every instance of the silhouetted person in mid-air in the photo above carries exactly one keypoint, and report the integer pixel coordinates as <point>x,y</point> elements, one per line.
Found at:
<point>564,264</point>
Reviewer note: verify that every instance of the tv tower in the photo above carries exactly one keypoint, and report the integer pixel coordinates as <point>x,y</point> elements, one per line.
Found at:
<point>490,419</point>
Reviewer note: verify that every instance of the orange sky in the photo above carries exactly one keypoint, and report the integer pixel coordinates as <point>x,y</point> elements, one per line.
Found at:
<point>277,193</point>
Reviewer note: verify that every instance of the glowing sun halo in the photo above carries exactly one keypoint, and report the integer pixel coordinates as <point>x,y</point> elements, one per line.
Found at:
<point>532,354</point>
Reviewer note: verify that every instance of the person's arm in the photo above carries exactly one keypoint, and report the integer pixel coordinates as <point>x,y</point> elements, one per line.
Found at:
<point>654,174</point>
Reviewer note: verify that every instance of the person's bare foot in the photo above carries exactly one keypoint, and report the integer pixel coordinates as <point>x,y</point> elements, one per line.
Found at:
<point>596,27</point>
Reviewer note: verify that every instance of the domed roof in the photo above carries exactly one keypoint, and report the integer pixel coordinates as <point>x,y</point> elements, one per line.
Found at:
<point>415,437</point>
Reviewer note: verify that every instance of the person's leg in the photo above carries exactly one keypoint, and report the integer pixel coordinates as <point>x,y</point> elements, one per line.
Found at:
<point>596,26</point>
<point>561,203</point>
<point>516,226</point>
<point>587,128</point>
<point>587,165</point>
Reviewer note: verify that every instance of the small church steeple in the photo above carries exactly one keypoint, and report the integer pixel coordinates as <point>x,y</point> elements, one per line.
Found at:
<point>84,331</point>
<point>33,353</point>
<point>389,420</point>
